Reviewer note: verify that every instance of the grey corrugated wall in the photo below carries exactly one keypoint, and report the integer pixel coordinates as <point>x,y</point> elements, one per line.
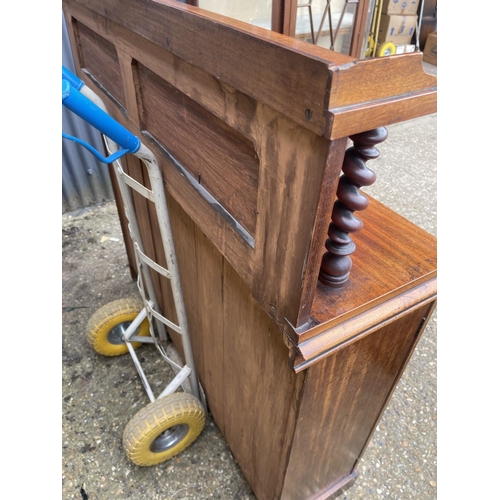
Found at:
<point>85,181</point>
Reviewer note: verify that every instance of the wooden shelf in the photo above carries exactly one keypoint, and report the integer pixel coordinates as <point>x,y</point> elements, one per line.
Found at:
<point>394,270</point>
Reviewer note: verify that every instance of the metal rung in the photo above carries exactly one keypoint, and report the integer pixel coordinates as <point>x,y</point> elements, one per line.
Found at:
<point>176,382</point>
<point>140,372</point>
<point>151,263</point>
<point>137,186</point>
<point>165,321</point>
<point>142,339</point>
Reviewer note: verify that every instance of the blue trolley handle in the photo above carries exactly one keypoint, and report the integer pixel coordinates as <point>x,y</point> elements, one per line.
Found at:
<point>92,114</point>
<point>72,78</point>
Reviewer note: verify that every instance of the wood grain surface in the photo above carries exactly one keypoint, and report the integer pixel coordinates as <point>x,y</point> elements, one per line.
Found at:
<point>221,159</point>
<point>272,173</point>
<point>343,397</point>
<point>100,58</point>
<point>381,267</point>
<point>240,358</point>
<point>296,376</point>
<point>263,65</point>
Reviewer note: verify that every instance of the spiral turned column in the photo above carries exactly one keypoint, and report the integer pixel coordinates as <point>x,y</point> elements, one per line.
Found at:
<point>336,264</point>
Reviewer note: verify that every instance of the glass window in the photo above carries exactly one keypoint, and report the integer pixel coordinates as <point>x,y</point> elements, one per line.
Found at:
<point>324,23</point>
<point>257,12</point>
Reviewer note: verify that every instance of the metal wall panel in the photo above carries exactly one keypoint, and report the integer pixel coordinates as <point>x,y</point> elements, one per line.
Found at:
<point>85,181</point>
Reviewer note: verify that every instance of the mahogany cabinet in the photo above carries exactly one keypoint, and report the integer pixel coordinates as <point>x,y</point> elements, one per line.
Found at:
<point>302,322</point>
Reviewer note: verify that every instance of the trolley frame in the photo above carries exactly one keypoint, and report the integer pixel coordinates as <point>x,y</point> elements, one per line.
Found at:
<point>84,102</point>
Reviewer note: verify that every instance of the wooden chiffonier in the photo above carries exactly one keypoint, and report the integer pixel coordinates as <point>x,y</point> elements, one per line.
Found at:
<point>305,298</point>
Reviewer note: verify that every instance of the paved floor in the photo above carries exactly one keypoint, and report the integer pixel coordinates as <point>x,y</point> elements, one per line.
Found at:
<point>100,395</point>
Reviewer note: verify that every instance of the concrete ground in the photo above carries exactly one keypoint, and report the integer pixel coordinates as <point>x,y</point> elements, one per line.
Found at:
<point>100,395</point>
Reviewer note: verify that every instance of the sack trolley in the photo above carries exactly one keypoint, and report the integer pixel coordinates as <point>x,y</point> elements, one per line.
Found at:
<point>173,420</point>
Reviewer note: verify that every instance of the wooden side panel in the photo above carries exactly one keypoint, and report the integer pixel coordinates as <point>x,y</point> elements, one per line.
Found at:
<point>320,231</point>
<point>344,395</point>
<point>100,59</point>
<point>201,271</point>
<point>380,113</point>
<point>220,158</point>
<point>293,162</point>
<point>241,360</point>
<point>262,398</point>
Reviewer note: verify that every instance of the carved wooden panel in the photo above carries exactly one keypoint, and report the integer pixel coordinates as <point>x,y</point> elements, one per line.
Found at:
<point>99,60</point>
<point>221,159</point>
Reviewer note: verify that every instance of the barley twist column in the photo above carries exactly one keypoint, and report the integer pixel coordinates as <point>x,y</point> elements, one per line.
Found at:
<point>336,264</point>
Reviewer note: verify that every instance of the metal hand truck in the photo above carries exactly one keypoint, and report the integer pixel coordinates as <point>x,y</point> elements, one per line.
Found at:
<point>173,420</point>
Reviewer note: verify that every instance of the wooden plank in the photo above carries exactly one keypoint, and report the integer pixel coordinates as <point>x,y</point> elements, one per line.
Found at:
<point>381,113</point>
<point>421,329</point>
<point>258,62</point>
<point>256,373</point>
<point>397,90</point>
<point>100,59</point>
<point>318,237</point>
<point>201,267</point>
<point>381,269</point>
<point>220,158</point>
<point>380,78</point>
<point>324,341</point>
<point>127,65</point>
<point>327,80</point>
<point>209,337</point>
<point>292,172</point>
<point>343,397</point>
<point>240,359</point>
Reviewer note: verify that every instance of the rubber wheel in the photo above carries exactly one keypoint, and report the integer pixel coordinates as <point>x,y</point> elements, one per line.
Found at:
<point>163,429</point>
<point>107,325</point>
<point>386,49</point>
